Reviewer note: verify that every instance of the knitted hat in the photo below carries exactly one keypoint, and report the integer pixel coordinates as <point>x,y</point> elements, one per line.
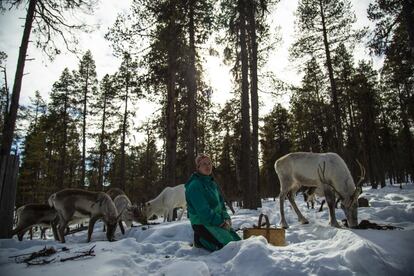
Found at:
<point>200,157</point>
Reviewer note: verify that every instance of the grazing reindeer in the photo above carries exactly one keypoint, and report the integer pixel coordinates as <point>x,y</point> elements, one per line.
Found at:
<point>73,204</point>
<point>128,212</point>
<point>33,214</point>
<point>114,192</point>
<point>166,201</point>
<point>325,171</point>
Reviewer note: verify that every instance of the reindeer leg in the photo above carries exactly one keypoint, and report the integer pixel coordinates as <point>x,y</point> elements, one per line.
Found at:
<point>61,230</point>
<point>330,200</point>
<point>301,218</point>
<point>90,227</point>
<point>181,214</point>
<point>53,224</point>
<point>22,231</point>
<point>283,222</point>
<point>63,223</point>
<point>121,227</point>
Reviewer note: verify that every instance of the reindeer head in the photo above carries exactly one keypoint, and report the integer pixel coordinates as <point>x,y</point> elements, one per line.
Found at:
<point>138,214</point>
<point>349,199</point>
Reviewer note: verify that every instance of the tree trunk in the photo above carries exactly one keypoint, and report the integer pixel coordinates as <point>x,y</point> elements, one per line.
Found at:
<point>122,168</point>
<point>85,97</point>
<point>192,92</point>
<point>245,116</point>
<point>171,124</point>
<point>62,165</point>
<point>10,120</point>
<point>6,94</point>
<point>408,12</point>
<point>255,108</point>
<point>102,147</point>
<point>338,125</point>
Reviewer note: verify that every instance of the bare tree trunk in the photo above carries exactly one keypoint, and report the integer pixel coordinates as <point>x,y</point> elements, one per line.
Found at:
<point>122,169</point>
<point>85,97</point>
<point>192,92</point>
<point>6,94</point>
<point>408,12</point>
<point>171,124</point>
<point>338,125</point>
<point>245,114</point>
<point>10,120</point>
<point>255,108</point>
<point>102,147</point>
<point>62,165</point>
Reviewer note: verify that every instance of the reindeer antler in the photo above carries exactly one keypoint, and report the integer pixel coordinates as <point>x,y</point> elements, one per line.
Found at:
<point>321,174</point>
<point>358,185</point>
<point>362,176</point>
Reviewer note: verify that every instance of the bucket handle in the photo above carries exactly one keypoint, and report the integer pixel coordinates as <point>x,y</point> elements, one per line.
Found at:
<point>260,221</point>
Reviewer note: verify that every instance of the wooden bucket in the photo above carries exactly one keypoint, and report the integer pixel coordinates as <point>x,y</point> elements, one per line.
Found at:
<point>274,236</point>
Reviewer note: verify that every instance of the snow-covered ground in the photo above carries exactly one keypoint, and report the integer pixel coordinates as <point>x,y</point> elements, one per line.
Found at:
<point>313,249</point>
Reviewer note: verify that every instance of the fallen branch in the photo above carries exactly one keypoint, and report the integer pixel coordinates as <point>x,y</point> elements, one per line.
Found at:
<point>45,252</point>
<point>366,224</point>
<point>90,252</point>
<point>40,262</point>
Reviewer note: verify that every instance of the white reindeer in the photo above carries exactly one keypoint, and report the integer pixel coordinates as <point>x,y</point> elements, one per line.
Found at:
<point>128,212</point>
<point>33,214</point>
<point>71,204</point>
<point>325,171</point>
<point>166,201</point>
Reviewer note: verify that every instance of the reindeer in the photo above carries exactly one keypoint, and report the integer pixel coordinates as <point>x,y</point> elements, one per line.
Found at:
<point>73,204</point>
<point>166,201</point>
<point>325,171</point>
<point>33,214</point>
<point>128,212</point>
<point>114,192</point>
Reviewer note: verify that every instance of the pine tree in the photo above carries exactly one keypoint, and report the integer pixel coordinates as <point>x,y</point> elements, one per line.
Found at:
<point>275,143</point>
<point>63,109</point>
<point>321,26</point>
<point>103,108</point>
<point>388,16</point>
<point>86,85</point>
<point>49,23</point>
<point>128,93</point>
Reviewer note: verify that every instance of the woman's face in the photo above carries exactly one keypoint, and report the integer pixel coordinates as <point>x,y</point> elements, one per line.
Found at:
<point>205,166</point>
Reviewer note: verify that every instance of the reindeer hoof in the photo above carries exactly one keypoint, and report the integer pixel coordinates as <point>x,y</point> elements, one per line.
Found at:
<point>284,226</point>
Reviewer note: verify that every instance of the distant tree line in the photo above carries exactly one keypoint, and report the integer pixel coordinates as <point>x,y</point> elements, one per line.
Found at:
<point>83,137</point>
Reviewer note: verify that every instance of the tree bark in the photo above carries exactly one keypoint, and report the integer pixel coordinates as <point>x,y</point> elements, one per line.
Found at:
<point>122,168</point>
<point>255,108</point>
<point>10,120</point>
<point>102,146</point>
<point>338,125</point>
<point>85,97</point>
<point>192,92</point>
<point>171,124</point>
<point>245,116</point>
<point>408,12</point>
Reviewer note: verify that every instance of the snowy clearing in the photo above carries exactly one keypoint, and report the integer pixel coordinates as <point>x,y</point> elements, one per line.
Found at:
<point>313,249</point>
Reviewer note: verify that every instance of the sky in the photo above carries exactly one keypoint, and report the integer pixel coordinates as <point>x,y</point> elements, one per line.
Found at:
<point>312,249</point>
<point>41,73</point>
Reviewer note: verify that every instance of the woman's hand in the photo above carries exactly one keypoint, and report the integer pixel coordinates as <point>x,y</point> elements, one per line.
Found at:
<point>226,224</point>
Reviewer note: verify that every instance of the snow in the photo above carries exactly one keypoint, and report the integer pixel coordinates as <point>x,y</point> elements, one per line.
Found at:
<point>312,249</point>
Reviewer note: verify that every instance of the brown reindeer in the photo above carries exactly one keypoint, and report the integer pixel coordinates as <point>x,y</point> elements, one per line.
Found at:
<point>73,204</point>
<point>34,214</point>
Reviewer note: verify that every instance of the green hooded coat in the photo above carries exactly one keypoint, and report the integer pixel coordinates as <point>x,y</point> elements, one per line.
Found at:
<point>205,206</point>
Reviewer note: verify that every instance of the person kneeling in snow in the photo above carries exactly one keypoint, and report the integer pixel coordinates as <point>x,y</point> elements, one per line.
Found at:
<point>205,208</point>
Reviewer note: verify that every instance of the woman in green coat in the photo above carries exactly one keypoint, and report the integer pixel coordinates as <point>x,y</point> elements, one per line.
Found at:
<point>205,207</point>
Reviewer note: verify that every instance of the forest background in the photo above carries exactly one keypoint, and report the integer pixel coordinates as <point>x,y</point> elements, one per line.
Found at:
<point>229,78</point>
